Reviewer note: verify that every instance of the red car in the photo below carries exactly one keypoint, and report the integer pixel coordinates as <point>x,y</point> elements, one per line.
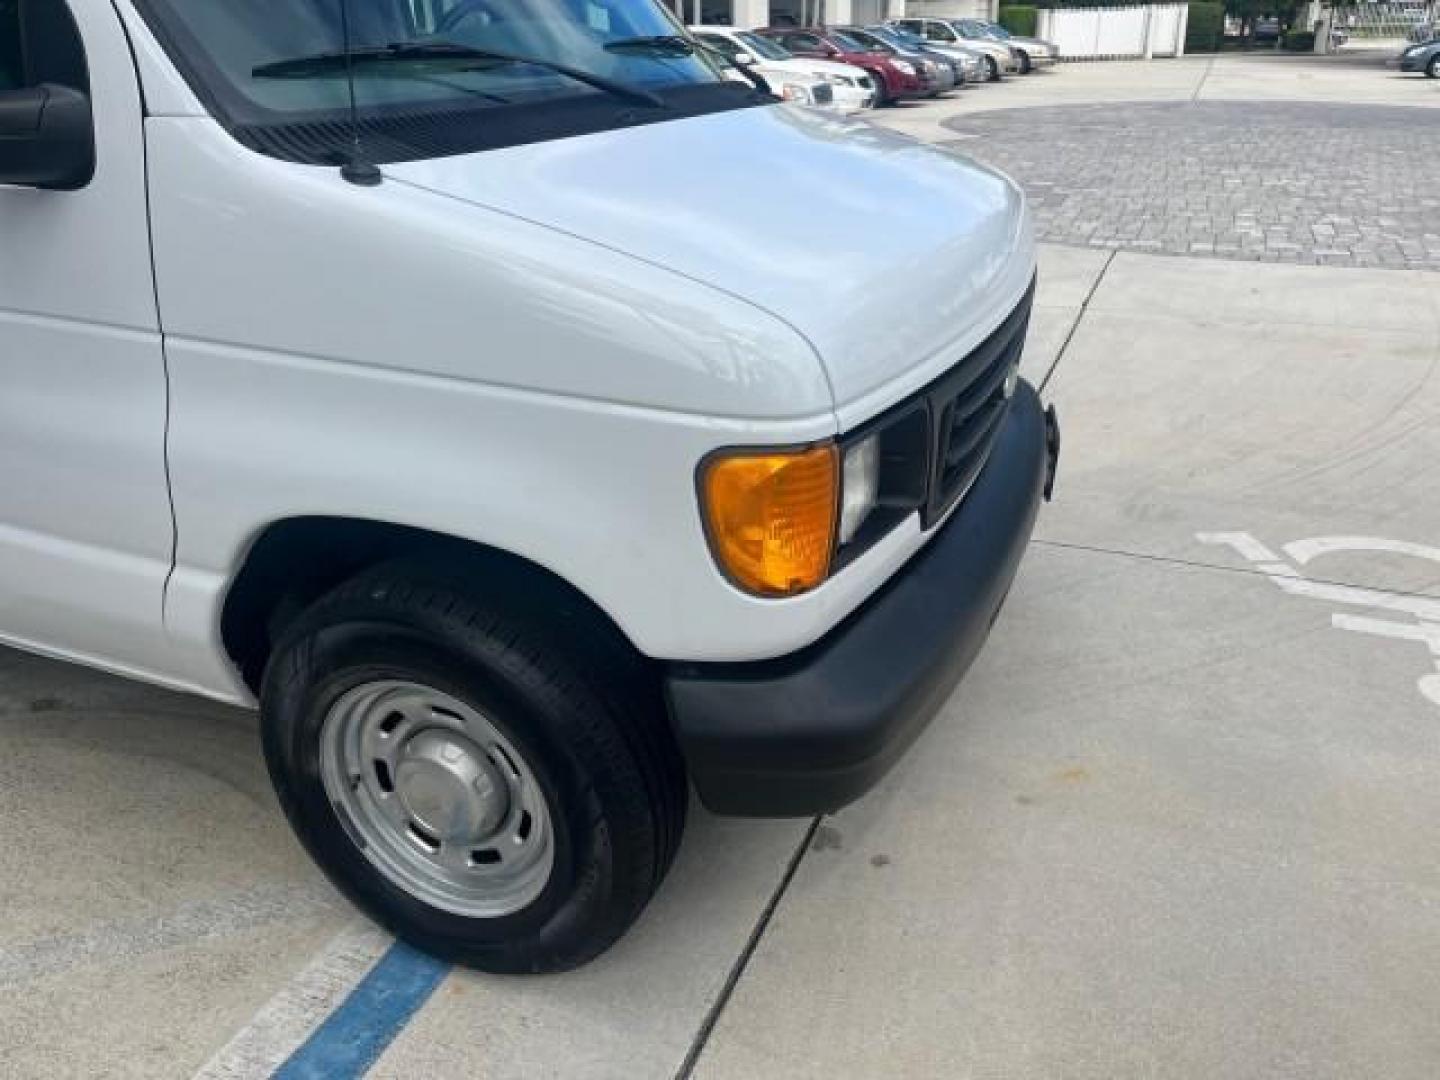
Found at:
<point>894,77</point>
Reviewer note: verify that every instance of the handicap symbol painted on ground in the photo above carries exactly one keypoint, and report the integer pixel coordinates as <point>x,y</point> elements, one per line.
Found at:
<point>1422,624</point>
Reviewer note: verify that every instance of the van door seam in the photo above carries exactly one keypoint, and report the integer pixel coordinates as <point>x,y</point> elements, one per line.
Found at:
<point>159,322</point>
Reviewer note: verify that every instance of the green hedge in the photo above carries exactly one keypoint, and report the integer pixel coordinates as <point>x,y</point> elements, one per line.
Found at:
<point>1205,28</point>
<point>1298,41</point>
<point>1019,19</point>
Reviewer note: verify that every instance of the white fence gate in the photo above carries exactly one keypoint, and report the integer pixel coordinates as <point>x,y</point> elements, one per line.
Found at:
<point>1121,33</point>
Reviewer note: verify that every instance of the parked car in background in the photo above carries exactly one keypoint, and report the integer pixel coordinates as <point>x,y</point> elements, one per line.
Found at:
<point>936,71</point>
<point>967,65</point>
<point>999,57</point>
<point>1034,52</point>
<point>852,87</point>
<point>1424,57</point>
<point>894,78</point>
<point>1265,29</point>
<point>796,88</point>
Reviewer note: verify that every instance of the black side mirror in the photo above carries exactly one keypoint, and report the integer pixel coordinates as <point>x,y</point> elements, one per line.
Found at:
<point>47,138</point>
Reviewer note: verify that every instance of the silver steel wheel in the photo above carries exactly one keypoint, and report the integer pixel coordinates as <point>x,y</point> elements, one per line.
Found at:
<point>439,800</point>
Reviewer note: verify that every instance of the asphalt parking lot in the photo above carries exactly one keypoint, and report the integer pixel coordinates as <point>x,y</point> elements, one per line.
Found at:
<point>1179,821</point>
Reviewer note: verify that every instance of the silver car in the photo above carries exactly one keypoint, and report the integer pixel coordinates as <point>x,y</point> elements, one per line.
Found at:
<point>936,72</point>
<point>1032,52</point>
<point>997,57</point>
<point>969,65</point>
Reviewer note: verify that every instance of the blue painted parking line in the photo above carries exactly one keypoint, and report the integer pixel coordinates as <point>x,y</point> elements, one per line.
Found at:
<point>357,1033</point>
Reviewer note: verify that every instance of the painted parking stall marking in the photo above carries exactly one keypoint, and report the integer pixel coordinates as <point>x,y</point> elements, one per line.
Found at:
<point>1422,627</point>
<point>337,1016</point>
<point>356,1034</point>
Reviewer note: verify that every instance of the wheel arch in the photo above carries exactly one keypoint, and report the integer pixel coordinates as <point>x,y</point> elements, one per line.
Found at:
<point>293,562</point>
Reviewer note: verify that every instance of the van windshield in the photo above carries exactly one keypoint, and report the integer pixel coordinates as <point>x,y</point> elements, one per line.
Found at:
<point>435,76</point>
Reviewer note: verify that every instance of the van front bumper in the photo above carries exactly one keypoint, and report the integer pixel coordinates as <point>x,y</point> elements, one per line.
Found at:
<point>808,733</point>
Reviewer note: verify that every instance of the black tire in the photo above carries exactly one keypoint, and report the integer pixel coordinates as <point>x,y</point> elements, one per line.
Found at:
<point>882,93</point>
<point>992,68</point>
<point>585,712</point>
<point>1025,67</point>
<point>1432,69</point>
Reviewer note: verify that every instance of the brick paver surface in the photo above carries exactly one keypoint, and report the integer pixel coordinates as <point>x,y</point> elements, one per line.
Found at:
<point>1346,185</point>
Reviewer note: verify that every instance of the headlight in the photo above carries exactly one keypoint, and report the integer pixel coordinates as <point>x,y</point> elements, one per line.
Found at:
<point>859,486</point>
<point>770,516</point>
<point>1413,49</point>
<point>781,521</point>
<point>902,66</point>
<point>796,92</point>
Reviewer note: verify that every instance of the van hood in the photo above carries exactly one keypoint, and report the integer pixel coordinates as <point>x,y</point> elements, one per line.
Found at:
<point>891,257</point>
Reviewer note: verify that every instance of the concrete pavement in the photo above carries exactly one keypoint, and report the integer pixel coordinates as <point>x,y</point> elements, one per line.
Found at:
<point>1176,823</point>
<point>1356,76</point>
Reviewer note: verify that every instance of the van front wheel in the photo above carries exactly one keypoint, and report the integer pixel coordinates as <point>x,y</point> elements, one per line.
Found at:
<point>496,793</point>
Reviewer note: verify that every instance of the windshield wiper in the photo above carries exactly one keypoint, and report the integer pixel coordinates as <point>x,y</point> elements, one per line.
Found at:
<point>664,44</point>
<point>419,51</point>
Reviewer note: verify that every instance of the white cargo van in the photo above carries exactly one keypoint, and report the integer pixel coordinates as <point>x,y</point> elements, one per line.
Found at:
<point>443,377</point>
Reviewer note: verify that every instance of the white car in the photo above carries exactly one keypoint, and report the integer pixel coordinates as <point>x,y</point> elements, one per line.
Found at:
<point>852,87</point>
<point>792,86</point>
<point>479,406</point>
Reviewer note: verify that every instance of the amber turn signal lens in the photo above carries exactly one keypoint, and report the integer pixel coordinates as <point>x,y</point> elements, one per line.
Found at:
<point>771,517</point>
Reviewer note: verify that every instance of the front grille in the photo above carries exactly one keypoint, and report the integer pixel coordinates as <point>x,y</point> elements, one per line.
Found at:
<point>966,406</point>
<point>823,93</point>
